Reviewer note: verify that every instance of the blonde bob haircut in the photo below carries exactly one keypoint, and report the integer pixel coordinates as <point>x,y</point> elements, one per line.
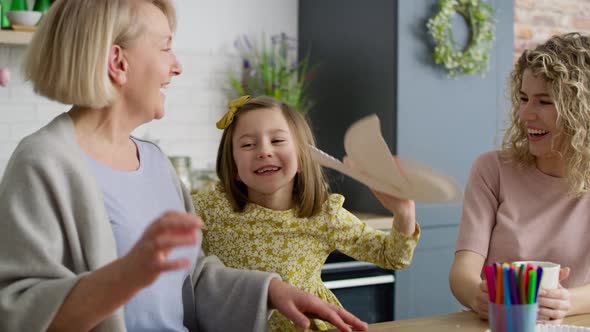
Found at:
<point>564,62</point>
<point>67,60</point>
<point>310,190</point>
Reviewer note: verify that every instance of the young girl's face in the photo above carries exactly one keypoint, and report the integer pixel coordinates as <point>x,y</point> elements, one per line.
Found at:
<point>538,114</point>
<point>265,154</point>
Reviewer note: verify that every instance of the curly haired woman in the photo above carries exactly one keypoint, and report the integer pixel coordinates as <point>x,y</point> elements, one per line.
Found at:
<point>530,200</point>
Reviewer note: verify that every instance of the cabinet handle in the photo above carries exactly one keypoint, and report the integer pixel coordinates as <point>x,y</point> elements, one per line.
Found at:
<point>360,282</point>
<point>346,265</point>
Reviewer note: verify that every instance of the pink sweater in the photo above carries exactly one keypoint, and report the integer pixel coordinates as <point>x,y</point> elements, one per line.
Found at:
<point>512,214</point>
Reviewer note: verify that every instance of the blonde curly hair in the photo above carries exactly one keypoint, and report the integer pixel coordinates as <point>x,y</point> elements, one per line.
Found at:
<point>564,61</point>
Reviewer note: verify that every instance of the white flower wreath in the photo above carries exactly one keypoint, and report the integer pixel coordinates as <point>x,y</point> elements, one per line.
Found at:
<point>475,57</point>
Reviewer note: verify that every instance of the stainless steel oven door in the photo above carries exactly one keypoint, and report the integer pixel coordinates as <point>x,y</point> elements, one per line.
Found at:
<point>363,289</point>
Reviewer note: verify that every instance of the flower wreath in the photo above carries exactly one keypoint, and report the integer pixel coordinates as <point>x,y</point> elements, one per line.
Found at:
<point>475,57</point>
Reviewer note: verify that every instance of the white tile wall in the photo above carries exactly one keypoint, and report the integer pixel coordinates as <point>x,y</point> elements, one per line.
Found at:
<point>194,101</point>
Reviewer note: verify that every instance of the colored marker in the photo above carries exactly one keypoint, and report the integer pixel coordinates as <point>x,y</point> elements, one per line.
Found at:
<point>513,286</point>
<point>491,282</point>
<point>522,284</point>
<point>539,278</point>
<point>527,269</point>
<point>506,285</point>
<point>507,301</point>
<point>499,284</point>
<point>532,286</point>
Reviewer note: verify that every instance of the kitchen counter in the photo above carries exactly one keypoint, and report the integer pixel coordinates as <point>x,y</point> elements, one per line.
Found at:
<point>376,221</point>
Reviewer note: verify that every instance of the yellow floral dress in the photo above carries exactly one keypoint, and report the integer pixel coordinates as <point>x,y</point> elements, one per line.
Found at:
<point>296,248</point>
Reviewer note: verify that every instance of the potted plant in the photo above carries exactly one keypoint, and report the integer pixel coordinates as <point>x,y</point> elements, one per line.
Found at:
<point>273,69</point>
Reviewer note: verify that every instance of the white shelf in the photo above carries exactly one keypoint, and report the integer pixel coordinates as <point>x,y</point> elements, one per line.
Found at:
<point>11,37</point>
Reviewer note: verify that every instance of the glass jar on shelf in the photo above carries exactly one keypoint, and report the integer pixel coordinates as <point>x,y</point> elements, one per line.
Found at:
<point>203,180</point>
<point>182,166</point>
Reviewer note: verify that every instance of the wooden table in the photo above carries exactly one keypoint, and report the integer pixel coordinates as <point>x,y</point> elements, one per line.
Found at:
<point>465,321</point>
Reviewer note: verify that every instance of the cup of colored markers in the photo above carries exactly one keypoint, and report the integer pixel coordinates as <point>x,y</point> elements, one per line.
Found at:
<point>513,291</point>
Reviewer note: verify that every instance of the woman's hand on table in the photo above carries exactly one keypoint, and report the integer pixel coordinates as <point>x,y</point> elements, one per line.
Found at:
<point>480,302</point>
<point>149,257</point>
<point>297,305</point>
<point>554,304</point>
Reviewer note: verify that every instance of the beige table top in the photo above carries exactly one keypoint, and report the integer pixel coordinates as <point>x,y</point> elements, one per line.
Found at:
<point>460,322</point>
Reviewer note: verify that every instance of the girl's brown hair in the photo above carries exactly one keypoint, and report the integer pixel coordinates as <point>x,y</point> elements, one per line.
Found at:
<point>310,190</point>
<point>564,62</point>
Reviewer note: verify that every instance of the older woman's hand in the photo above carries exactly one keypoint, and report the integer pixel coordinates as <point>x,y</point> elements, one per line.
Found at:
<point>148,258</point>
<point>295,304</point>
<point>554,304</point>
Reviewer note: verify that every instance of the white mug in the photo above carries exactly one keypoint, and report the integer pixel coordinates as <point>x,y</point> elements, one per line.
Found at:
<point>550,278</point>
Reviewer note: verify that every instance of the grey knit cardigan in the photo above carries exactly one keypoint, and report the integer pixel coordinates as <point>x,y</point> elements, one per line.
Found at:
<point>54,228</point>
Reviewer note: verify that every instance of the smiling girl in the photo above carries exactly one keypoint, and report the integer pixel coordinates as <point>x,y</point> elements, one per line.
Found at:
<point>272,210</point>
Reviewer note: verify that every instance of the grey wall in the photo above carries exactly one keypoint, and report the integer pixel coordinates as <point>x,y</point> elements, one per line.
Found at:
<point>446,122</point>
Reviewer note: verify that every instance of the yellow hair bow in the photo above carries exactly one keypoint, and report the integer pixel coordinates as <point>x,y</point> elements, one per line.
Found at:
<point>233,106</point>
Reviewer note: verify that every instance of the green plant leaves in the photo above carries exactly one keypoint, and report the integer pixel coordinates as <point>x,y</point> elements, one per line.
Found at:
<point>274,70</point>
<point>475,57</point>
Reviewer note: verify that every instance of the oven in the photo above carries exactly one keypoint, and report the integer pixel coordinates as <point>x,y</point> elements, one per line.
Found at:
<point>364,289</point>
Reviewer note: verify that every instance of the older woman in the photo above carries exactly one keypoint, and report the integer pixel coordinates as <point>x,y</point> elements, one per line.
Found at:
<point>530,200</point>
<point>80,248</point>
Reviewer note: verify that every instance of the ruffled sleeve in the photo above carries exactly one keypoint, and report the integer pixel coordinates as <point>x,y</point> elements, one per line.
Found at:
<point>358,240</point>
